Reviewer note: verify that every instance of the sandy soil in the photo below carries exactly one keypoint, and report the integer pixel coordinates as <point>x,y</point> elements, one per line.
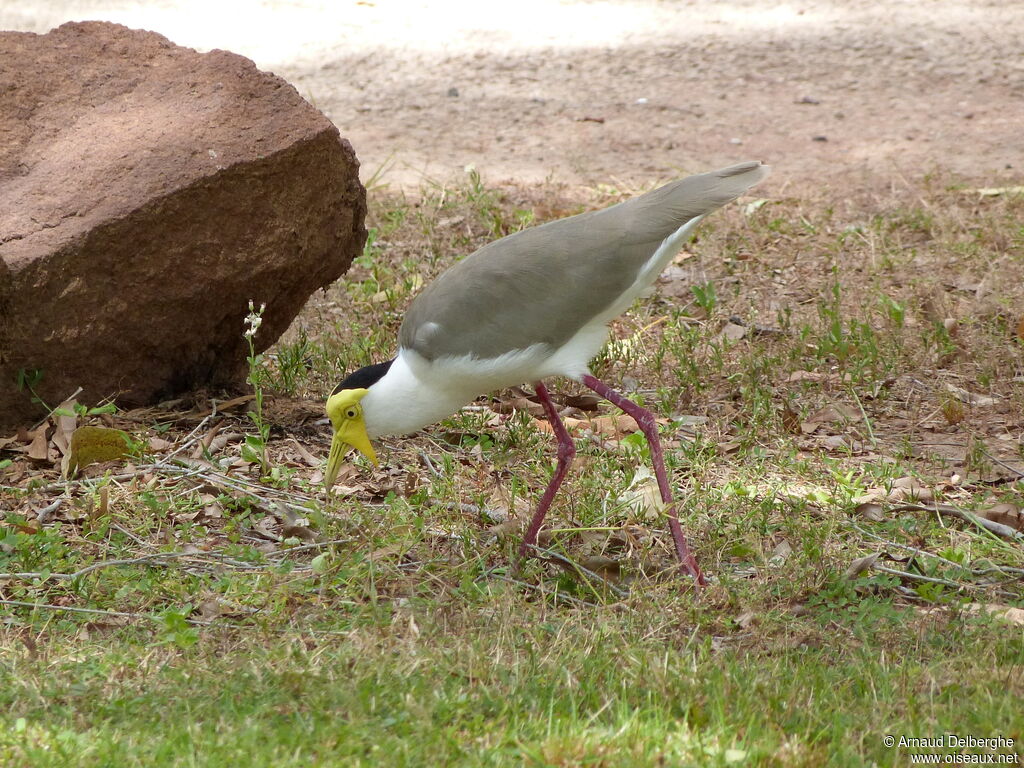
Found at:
<point>851,96</point>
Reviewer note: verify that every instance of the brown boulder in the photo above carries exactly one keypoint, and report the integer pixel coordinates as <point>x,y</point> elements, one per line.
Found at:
<point>147,194</point>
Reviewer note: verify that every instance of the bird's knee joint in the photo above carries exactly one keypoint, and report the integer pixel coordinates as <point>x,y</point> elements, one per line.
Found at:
<point>647,421</point>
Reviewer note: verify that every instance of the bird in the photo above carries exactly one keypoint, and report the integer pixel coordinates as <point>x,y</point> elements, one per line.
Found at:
<point>525,308</point>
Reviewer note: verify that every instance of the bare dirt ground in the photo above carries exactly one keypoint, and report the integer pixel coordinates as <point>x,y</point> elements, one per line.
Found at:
<point>840,95</point>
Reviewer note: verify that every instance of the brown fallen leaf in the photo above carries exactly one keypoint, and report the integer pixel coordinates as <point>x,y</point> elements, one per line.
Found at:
<point>38,448</point>
<point>860,565</point>
<point>308,458</point>
<point>583,401</point>
<point>869,510</point>
<point>159,445</point>
<point>643,495</point>
<point>1004,513</point>
<point>790,419</point>
<point>64,423</point>
<point>1004,612</point>
<point>90,445</point>
<point>605,567</point>
<point>911,489</point>
<point>733,332</point>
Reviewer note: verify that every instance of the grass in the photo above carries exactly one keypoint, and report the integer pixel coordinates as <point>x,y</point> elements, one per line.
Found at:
<point>241,617</point>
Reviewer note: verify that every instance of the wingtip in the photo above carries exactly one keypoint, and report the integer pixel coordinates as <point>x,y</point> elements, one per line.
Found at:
<point>751,166</point>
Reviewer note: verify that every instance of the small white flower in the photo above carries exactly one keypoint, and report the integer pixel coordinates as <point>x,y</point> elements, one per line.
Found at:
<point>254,319</point>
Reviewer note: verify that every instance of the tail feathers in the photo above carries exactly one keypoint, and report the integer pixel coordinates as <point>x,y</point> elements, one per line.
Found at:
<point>662,211</point>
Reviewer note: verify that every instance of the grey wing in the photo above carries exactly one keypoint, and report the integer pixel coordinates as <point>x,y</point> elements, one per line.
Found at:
<point>541,285</point>
<point>534,287</point>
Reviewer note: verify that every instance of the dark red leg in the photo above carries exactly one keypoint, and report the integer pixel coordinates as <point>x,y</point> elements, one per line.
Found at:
<point>566,452</point>
<point>645,419</point>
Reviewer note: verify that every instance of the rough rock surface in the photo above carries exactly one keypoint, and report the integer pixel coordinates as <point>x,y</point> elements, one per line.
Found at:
<point>147,193</point>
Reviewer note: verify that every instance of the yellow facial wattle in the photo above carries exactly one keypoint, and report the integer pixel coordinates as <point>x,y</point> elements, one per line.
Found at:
<point>346,415</point>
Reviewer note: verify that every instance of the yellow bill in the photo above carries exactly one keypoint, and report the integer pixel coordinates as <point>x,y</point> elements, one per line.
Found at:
<point>346,417</point>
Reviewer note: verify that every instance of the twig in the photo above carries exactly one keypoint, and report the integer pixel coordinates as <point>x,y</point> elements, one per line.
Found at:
<point>130,535</point>
<point>157,556</point>
<point>921,577</point>
<point>907,548</point>
<point>549,554</point>
<point>117,614</point>
<point>150,617</point>
<point>556,595</point>
<point>429,464</point>
<point>47,512</point>
<point>191,438</point>
<point>281,553</point>
<point>1004,465</point>
<point>945,509</point>
<point>471,509</point>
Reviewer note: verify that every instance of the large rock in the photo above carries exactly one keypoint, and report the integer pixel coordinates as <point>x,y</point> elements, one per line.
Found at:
<point>147,193</point>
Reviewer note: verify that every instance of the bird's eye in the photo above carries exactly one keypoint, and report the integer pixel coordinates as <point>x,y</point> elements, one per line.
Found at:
<point>351,413</point>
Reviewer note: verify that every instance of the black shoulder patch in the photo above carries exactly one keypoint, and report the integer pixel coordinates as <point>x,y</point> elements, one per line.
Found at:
<point>364,377</point>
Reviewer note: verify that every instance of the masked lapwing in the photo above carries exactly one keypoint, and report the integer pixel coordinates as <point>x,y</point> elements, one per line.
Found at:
<point>522,309</point>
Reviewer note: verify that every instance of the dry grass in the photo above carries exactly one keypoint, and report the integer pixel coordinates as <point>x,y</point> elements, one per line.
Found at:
<point>838,380</point>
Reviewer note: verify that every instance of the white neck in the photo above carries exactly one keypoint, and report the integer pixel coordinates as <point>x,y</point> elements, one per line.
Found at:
<point>401,401</point>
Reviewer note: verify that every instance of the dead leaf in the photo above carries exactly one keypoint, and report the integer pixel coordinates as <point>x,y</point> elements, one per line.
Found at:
<point>733,332</point>
<point>643,495</point>
<point>1004,513</point>
<point>860,565</point>
<point>996,191</point>
<point>605,567</point>
<point>159,445</point>
<point>870,510</point>
<point>969,397</point>
<point>1003,612</point>
<point>90,445</point>
<point>911,489</point>
<point>781,553</point>
<point>790,419</point>
<point>38,449</point>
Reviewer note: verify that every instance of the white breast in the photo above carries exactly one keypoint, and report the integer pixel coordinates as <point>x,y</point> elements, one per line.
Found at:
<point>416,392</point>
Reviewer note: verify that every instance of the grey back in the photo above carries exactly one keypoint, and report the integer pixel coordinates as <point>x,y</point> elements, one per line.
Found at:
<point>543,284</point>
